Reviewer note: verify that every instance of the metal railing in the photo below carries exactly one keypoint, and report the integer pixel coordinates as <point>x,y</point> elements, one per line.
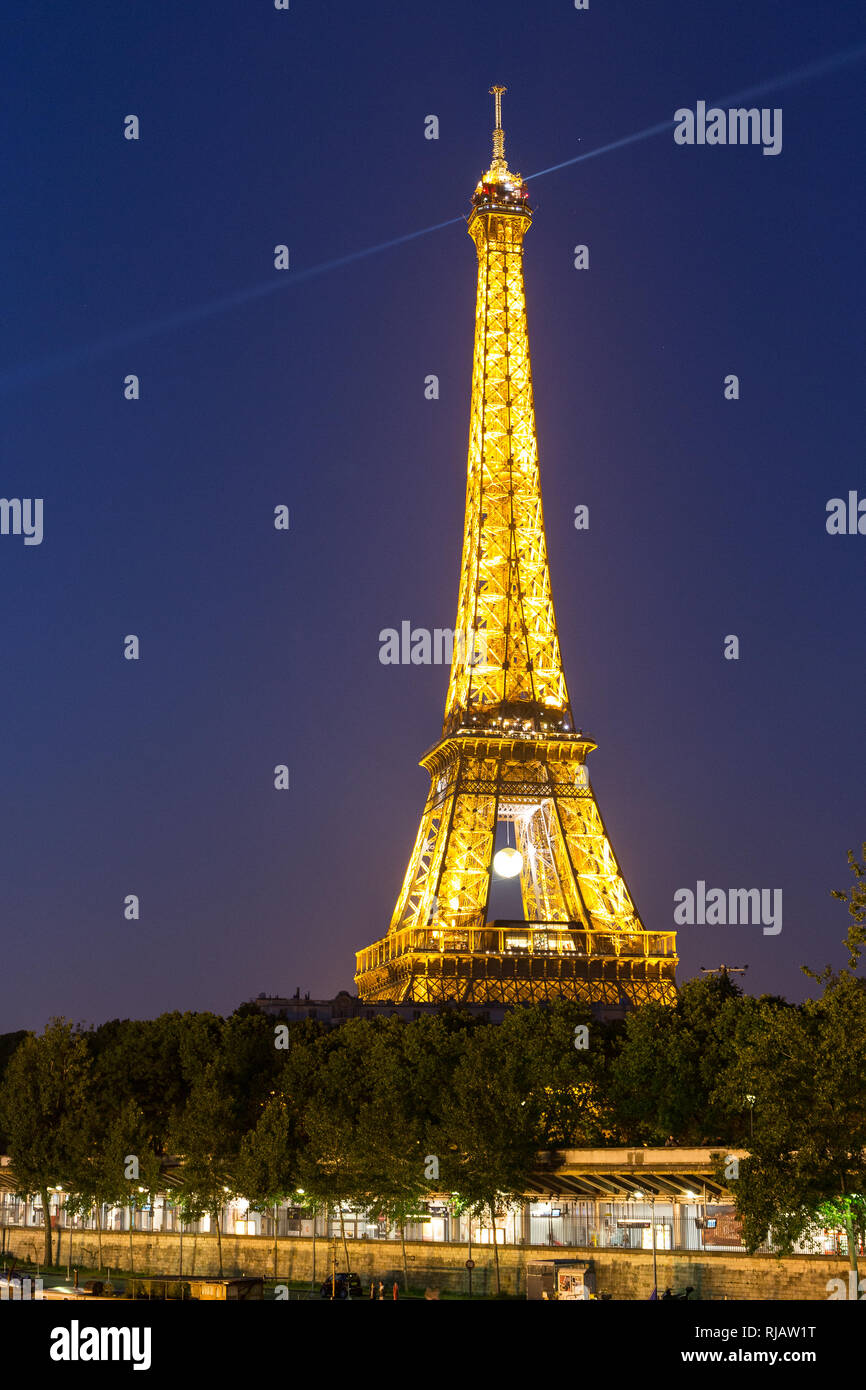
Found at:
<point>604,1225</point>
<point>545,939</point>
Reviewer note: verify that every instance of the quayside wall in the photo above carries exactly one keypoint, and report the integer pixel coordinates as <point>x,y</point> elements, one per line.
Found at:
<point>624,1274</point>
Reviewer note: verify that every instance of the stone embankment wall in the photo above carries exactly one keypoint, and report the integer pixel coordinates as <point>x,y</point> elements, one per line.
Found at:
<point>625,1274</point>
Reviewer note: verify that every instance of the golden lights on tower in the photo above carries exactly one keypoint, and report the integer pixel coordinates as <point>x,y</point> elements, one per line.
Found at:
<point>509,751</point>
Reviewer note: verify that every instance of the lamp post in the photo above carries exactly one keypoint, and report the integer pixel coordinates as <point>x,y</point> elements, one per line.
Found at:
<point>470,1264</point>
<point>639,1196</point>
<point>750,1101</point>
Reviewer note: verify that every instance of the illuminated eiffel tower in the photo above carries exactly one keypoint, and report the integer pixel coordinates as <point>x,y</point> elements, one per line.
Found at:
<point>509,750</point>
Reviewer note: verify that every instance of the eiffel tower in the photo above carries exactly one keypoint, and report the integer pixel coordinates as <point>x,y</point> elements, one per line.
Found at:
<point>509,750</point>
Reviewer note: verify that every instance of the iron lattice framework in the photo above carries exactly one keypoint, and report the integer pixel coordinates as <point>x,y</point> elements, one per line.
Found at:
<point>509,750</point>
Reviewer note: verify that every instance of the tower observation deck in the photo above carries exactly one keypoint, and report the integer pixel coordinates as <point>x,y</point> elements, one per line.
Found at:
<point>509,749</point>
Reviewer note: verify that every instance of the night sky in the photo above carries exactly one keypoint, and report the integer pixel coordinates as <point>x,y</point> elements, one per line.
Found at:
<point>260,388</point>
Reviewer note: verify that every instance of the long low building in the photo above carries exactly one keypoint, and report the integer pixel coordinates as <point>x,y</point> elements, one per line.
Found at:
<point>610,1198</point>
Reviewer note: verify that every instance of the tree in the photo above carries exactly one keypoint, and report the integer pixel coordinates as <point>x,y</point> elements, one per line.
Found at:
<point>663,1080</point>
<point>328,1083</point>
<point>267,1167</point>
<point>490,1131</point>
<point>856,900</point>
<point>559,1053</point>
<point>114,1161</point>
<point>9,1044</point>
<point>404,1091</point>
<point>203,1133</point>
<point>249,1064</point>
<point>805,1067</point>
<point>154,1062</point>
<point>42,1097</point>
<point>510,1091</point>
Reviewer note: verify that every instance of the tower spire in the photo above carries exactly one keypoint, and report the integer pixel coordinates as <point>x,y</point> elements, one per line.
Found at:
<point>498,132</point>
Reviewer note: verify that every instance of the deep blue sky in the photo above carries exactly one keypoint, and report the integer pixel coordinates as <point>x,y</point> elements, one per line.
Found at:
<point>707,517</point>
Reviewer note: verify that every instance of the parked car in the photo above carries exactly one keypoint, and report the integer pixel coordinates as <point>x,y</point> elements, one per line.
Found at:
<point>347,1286</point>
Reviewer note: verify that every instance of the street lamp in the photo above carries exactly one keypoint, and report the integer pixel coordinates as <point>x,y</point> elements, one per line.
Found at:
<point>750,1101</point>
<point>143,1204</point>
<point>638,1196</point>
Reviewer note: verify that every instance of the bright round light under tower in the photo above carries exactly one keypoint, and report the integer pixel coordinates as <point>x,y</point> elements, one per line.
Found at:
<point>508,862</point>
